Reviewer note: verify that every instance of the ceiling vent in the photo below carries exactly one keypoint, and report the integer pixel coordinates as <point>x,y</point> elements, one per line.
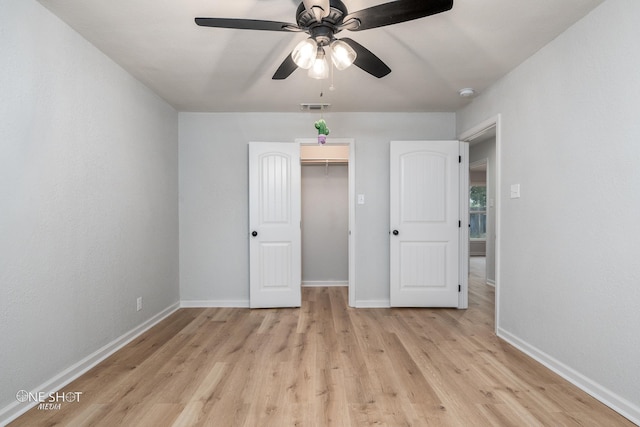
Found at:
<point>314,107</point>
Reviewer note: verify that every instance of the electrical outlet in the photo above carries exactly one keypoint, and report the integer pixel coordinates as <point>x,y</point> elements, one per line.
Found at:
<point>139,304</point>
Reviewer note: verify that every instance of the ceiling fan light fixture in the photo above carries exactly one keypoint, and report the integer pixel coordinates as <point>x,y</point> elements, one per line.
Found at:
<point>320,68</point>
<point>342,55</point>
<point>305,53</point>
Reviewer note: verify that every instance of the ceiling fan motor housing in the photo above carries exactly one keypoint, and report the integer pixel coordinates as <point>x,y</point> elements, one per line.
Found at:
<point>322,32</point>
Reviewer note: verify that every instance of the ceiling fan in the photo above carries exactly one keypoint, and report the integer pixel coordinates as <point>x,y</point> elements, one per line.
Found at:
<point>322,20</point>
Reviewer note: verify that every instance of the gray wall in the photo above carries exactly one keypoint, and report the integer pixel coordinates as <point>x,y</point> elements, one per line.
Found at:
<point>214,248</point>
<point>480,151</point>
<point>325,224</point>
<point>569,283</point>
<point>88,199</point>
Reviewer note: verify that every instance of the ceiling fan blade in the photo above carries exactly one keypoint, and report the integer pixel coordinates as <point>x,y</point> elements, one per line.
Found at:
<point>396,11</point>
<point>247,24</point>
<point>366,60</point>
<point>285,69</point>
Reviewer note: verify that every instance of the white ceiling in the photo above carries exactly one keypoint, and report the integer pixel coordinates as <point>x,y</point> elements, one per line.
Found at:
<point>222,70</point>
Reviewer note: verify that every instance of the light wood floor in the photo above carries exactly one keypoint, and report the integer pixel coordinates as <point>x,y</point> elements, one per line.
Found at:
<point>326,364</point>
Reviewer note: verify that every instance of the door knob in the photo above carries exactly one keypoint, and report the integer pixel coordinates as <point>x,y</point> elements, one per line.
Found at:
<point>254,233</point>
<point>396,232</point>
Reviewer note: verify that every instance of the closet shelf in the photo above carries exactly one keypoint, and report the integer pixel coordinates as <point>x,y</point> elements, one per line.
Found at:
<point>322,162</point>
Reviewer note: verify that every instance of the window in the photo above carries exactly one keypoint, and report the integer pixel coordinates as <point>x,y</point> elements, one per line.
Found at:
<point>478,212</point>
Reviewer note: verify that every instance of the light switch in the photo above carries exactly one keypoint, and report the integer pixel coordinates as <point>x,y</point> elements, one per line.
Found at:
<point>515,191</point>
<point>361,199</point>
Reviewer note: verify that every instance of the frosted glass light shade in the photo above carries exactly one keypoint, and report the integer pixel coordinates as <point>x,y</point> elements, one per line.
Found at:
<point>320,68</point>
<point>342,55</point>
<point>304,54</point>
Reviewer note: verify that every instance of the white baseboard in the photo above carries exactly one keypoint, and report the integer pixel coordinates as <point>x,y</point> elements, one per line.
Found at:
<point>14,410</point>
<point>491,282</point>
<point>214,303</point>
<point>625,408</point>
<point>324,283</point>
<point>385,303</point>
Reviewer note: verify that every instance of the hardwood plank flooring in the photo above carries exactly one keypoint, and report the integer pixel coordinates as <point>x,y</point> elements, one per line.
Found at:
<point>326,364</point>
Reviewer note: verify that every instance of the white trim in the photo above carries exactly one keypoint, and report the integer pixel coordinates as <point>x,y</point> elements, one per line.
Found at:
<point>352,223</point>
<point>480,129</point>
<point>352,207</point>
<point>469,135</point>
<point>463,235</point>
<point>14,410</point>
<point>371,303</point>
<point>324,283</point>
<point>491,282</point>
<point>622,406</point>
<point>480,162</point>
<point>214,303</point>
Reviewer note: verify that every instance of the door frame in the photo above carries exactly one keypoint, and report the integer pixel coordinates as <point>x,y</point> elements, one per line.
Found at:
<point>469,135</point>
<point>463,251</point>
<point>350,142</point>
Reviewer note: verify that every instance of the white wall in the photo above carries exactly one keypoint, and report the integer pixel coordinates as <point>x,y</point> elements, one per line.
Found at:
<point>325,224</point>
<point>88,200</point>
<point>481,151</point>
<point>214,249</point>
<point>569,282</point>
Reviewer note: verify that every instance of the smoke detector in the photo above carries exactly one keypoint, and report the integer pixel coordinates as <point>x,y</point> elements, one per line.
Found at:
<point>467,92</point>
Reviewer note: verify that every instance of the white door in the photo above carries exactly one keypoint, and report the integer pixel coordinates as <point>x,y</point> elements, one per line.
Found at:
<point>274,225</point>
<point>424,223</point>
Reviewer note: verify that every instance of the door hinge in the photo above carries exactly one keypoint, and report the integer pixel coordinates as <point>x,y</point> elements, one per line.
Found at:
<point>459,159</point>
<point>459,288</point>
<point>459,224</point>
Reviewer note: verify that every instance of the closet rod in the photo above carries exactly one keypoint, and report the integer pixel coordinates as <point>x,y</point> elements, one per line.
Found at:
<point>332,161</point>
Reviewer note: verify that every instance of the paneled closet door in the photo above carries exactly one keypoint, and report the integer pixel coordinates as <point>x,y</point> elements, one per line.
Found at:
<point>274,225</point>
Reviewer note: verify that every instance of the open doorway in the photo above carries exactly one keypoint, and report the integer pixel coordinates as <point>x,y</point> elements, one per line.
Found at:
<point>325,215</point>
<point>482,199</point>
<point>480,248</point>
<point>484,174</point>
<point>327,191</point>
